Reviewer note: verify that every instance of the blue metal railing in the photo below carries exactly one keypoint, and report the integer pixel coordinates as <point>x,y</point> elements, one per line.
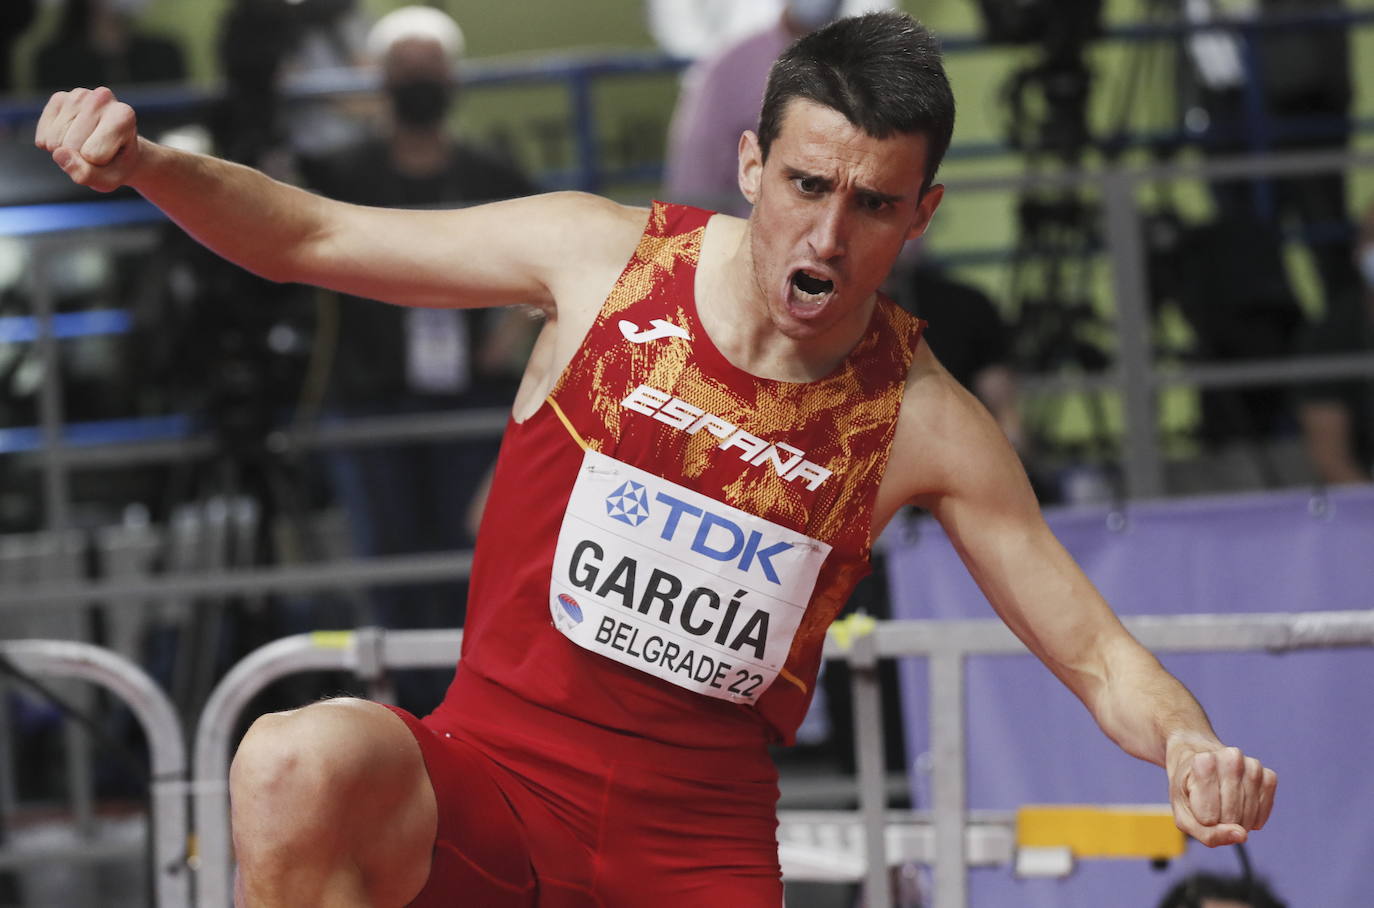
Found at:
<point>27,439</point>
<point>32,220</point>
<point>19,329</point>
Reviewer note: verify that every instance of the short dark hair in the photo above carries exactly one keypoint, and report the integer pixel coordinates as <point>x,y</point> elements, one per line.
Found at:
<point>882,71</point>
<point>1190,892</point>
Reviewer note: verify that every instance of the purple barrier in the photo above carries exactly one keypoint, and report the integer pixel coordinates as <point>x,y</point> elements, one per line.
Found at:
<point>1309,714</point>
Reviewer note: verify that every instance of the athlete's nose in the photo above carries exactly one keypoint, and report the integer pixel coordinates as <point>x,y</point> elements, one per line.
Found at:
<point>827,236</point>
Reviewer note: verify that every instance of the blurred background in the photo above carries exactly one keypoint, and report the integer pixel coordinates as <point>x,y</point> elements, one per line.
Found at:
<point>1154,264</point>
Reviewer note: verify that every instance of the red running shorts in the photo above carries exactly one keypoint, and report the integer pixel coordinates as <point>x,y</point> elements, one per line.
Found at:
<point>537,809</point>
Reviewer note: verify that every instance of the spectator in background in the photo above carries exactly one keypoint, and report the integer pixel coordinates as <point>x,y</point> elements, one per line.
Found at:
<point>98,43</point>
<point>1338,417</point>
<point>721,97</point>
<point>15,16</point>
<point>413,497</point>
<point>1206,890</point>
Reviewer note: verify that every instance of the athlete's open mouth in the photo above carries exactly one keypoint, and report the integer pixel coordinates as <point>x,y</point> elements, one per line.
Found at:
<point>809,287</point>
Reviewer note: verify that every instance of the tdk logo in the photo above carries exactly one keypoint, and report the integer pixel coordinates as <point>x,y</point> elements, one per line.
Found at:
<point>628,504</point>
<point>789,462</point>
<point>720,538</point>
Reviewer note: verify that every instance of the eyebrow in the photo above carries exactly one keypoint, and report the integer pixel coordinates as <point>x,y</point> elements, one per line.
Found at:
<point>793,173</point>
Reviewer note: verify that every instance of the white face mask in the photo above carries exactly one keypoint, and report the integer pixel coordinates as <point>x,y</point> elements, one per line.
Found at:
<point>1367,265</point>
<point>812,13</point>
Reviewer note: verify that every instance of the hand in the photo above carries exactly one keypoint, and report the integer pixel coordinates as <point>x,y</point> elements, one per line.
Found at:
<point>92,136</point>
<point>1217,793</point>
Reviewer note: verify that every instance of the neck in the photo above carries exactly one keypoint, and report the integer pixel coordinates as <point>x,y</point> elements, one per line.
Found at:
<point>734,310</point>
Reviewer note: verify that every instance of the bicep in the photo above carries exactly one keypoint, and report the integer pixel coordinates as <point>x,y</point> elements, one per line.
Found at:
<point>502,253</point>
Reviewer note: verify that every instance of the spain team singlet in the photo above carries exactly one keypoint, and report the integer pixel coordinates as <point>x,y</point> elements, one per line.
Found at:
<point>668,537</point>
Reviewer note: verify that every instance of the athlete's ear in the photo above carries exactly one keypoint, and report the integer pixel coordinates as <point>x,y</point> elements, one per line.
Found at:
<point>750,165</point>
<point>925,210</point>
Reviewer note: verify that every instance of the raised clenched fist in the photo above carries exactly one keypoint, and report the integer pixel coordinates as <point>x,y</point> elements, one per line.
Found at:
<point>92,136</point>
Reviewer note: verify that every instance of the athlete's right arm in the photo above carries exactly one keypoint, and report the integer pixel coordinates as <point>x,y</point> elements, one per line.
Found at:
<point>489,255</point>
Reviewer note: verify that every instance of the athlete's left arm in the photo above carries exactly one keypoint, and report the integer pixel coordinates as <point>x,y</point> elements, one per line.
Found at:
<point>975,486</point>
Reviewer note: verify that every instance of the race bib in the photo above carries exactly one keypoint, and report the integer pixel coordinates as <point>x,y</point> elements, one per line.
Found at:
<point>678,585</point>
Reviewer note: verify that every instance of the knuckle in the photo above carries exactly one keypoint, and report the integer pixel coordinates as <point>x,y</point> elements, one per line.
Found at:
<point>124,116</point>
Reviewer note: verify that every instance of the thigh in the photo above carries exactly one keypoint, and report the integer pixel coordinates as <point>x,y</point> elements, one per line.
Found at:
<point>480,855</point>
<point>678,843</point>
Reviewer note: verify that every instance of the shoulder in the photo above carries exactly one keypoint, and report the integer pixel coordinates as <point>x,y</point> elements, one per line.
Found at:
<point>585,238</point>
<point>594,222</point>
<point>933,402</point>
<point>946,442</point>
<point>950,458</point>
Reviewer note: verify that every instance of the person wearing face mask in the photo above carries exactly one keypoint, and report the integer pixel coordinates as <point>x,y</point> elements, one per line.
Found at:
<point>1338,417</point>
<point>411,498</point>
<point>721,96</point>
<point>98,42</point>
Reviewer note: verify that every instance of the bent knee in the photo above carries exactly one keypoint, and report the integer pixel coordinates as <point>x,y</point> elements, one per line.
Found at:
<point>318,783</point>
<point>303,754</point>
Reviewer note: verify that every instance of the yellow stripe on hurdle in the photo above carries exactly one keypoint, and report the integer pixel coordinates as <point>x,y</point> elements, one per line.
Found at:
<point>1145,831</point>
<point>332,639</point>
<point>846,630</point>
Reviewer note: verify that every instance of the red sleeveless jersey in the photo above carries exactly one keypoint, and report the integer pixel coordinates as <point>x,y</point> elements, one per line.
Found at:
<point>695,527</point>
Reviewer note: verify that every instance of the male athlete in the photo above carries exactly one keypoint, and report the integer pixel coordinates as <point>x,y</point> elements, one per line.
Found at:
<point>717,419</point>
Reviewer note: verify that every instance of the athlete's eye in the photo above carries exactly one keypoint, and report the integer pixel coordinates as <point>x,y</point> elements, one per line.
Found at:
<point>873,203</point>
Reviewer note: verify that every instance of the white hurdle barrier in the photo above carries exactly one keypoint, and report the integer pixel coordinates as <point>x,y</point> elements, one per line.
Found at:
<point>365,652</point>
<point>166,746</point>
